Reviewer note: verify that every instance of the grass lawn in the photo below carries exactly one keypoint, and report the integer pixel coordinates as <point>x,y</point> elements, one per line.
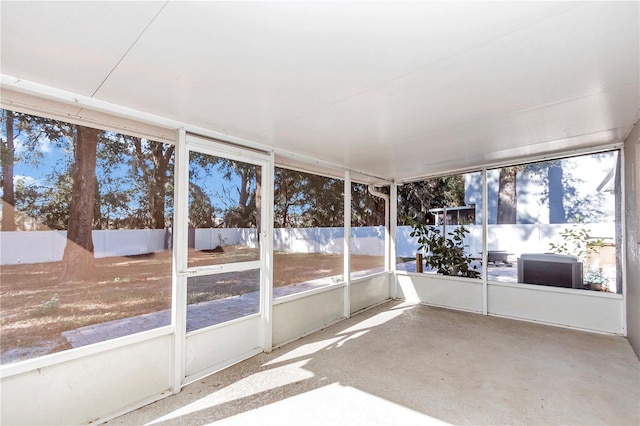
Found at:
<point>35,308</point>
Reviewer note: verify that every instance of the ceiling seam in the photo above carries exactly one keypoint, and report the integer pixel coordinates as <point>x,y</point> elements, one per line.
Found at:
<point>129,49</point>
<point>419,69</point>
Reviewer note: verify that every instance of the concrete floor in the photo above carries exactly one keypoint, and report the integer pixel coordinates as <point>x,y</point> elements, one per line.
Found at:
<point>401,364</point>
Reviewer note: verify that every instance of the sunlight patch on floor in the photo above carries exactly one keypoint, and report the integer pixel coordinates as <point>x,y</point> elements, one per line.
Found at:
<point>260,382</point>
<point>376,320</point>
<point>333,404</point>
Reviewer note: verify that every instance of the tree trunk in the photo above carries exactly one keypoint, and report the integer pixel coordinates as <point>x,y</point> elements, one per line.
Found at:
<point>77,262</point>
<point>557,213</point>
<point>285,215</point>
<point>156,202</point>
<point>507,196</point>
<point>8,158</point>
<point>155,179</point>
<point>161,166</point>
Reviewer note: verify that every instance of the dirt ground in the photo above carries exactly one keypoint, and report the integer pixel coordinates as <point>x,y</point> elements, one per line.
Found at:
<point>35,308</point>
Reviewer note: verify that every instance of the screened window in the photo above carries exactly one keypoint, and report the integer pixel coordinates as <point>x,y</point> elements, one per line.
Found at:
<point>85,238</point>
<point>367,231</point>
<point>308,231</point>
<point>558,223</point>
<point>440,229</point>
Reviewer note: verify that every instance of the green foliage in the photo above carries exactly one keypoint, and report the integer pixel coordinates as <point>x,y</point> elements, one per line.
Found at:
<point>576,241</point>
<point>594,276</point>
<point>324,202</point>
<point>134,176</point>
<point>201,212</point>
<point>307,200</point>
<point>288,197</point>
<point>366,209</point>
<point>47,308</point>
<point>444,254</point>
<point>239,208</point>
<point>416,198</point>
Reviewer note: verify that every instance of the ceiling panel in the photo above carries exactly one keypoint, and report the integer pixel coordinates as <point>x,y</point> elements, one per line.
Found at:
<point>246,68</point>
<point>539,68</point>
<point>394,89</point>
<point>585,123</point>
<point>69,45</point>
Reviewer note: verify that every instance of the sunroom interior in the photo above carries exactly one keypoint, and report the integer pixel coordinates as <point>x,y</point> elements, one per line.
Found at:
<point>321,165</point>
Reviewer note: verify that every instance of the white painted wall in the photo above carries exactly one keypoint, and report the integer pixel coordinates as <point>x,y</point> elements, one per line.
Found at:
<point>370,291</point>
<point>301,314</point>
<point>88,385</point>
<point>304,313</point>
<point>204,354</point>
<point>581,309</point>
<point>436,290</point>
<point>585,310</point>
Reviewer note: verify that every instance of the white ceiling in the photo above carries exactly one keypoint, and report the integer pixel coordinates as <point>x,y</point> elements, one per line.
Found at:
<point>394,89</point>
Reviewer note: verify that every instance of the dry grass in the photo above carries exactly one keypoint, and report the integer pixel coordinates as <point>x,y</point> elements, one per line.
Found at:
<point>36,308</point>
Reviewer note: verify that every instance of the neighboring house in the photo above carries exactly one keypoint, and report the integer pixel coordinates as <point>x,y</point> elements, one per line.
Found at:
<point>585,184</point>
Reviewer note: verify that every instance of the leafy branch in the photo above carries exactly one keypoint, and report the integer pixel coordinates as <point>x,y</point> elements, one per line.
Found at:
<point>444,254</point>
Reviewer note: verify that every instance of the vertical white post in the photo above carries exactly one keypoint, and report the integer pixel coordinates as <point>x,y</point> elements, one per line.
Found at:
<point>387,239</point>
<point>393,234</point>
<point>179,260</point>
<point>623,241</point>
<point>485,242</point>
<point>266,247</point>
<point>347,244</point>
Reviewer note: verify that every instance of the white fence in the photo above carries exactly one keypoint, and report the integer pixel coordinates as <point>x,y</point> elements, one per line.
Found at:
<point>513,239</point>
<point>210,238</point>
<point>48,246</point>
<point>366,240</point>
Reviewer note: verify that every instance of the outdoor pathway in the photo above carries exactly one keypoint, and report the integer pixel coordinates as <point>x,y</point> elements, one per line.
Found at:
<point>199,315</point>
<point>205,314</point>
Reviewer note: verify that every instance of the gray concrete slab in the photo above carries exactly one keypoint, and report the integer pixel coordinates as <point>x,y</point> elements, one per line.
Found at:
<point>402,364</point>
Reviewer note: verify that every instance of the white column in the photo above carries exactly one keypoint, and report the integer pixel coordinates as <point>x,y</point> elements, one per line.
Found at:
<point>485,242</point>
<point>266,247</point>
<point>392,234</point>
<point>179,260</point>
<point>347,244</point>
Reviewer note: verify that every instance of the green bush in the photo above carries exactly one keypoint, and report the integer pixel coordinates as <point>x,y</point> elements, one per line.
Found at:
<point>442,253</point>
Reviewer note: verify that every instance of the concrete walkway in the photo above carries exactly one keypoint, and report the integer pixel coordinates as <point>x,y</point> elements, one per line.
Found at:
<point>199,315</point>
